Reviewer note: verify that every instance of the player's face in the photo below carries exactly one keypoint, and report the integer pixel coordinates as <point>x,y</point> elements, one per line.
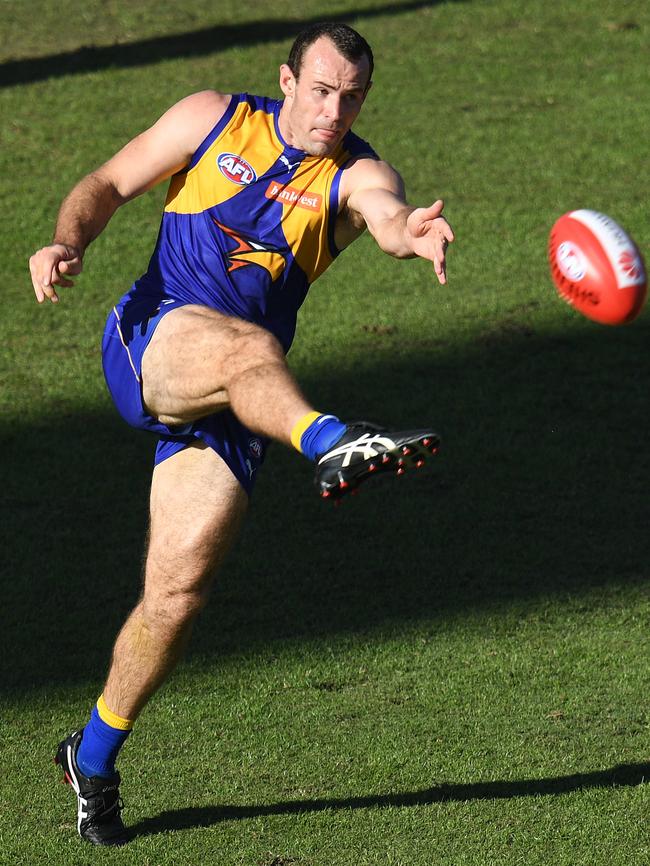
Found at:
<point>322,104</point>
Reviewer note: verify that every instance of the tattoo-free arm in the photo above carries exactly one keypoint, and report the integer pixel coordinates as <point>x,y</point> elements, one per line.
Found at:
<point>376,195</point>
<point>149,158</point>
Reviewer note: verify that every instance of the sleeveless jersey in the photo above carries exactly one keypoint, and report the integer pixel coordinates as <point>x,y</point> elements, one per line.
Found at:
<point>248,225</point>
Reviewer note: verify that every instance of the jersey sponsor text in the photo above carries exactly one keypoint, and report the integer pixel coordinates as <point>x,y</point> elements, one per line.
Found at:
<point>292,196</point>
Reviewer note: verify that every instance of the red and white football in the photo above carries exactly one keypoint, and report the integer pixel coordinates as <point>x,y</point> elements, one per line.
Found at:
<point>597,267</point>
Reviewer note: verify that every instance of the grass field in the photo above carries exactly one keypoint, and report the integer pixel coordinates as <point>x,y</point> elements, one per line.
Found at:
<point>452,670</point>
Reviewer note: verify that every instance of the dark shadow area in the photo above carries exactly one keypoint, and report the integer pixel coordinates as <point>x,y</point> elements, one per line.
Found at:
<point>624,775</point>
<point>540,491</point>
<point>194,43</point>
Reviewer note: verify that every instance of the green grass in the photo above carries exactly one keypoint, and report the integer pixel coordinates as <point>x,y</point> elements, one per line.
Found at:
<point>449,671</point>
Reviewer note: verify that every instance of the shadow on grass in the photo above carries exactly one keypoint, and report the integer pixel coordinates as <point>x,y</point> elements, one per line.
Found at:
<point>540,490</point>
<point>194,43</point>
<point>623,775</point>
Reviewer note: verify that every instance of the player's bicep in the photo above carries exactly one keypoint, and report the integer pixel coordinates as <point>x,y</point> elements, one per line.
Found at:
<point>377,194</point>
<point>166,147</point>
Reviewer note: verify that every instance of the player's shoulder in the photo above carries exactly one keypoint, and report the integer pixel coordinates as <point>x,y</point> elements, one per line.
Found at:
<point>370,172</point>
<point>203,102</point>
<point>190,120</point>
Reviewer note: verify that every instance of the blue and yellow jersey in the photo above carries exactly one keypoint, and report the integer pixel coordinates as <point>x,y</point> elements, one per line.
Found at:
<point>248,225</point>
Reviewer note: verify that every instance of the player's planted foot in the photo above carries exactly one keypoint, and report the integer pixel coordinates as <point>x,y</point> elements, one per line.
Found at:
<point>98,798</point>
<point>365,450</point>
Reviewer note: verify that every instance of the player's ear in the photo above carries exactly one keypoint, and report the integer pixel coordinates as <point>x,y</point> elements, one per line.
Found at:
<point>367,90</point>
<point>287,80</point>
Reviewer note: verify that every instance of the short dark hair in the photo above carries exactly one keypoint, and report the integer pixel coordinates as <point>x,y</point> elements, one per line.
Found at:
<point>347,42</point>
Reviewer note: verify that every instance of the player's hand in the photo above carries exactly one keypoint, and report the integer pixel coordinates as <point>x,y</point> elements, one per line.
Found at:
<point>52,266</point>
<point>430,234</point>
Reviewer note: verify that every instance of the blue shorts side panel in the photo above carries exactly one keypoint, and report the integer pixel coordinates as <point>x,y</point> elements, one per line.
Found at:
<point>129,329</point>
<point>242,451</point>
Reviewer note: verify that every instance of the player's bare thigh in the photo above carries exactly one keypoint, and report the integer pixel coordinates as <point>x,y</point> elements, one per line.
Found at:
<point>193,356</point>
<point>197,506</point>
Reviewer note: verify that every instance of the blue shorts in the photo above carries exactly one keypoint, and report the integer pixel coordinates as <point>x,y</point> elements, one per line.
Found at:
<point>129,328</point>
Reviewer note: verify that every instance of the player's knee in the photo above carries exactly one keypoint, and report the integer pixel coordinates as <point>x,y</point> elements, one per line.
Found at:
<point>173,610</point>
<point>185,605</point>
<point>176,588</point>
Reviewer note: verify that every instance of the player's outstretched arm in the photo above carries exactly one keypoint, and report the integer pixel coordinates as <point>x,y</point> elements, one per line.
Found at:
<point>375,194</point>
<point>149,158</point>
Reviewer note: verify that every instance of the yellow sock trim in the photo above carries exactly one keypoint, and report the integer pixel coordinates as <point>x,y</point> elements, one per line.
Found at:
<point>301,426</point>
<point>110,718</point>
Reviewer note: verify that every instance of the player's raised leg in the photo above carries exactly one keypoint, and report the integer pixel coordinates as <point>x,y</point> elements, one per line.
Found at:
<point>200,361</point>
<point>196,509</point>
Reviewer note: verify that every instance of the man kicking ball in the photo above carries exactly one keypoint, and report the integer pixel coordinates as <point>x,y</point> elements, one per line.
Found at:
<point>263,195</point>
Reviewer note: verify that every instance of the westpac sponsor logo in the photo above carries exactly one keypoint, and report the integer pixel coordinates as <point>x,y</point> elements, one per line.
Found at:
<point>289,195</point>
<point>236,169</point>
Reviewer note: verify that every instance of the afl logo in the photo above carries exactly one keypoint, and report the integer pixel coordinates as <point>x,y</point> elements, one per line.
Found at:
<point>236,169</point>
